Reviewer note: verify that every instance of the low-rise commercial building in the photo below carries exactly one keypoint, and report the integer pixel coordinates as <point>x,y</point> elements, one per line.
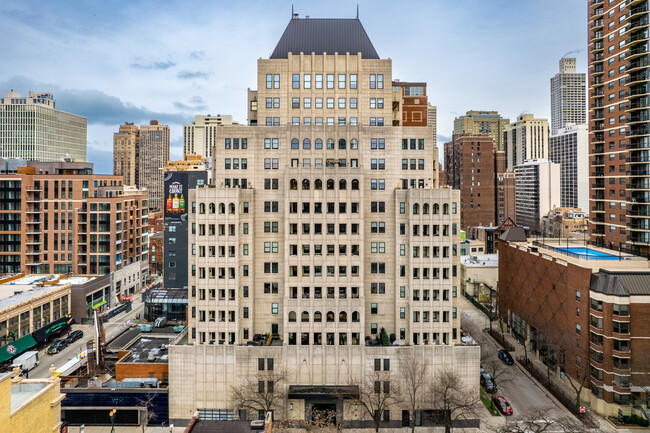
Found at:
<point>479,274</point>
<point>566,223</point>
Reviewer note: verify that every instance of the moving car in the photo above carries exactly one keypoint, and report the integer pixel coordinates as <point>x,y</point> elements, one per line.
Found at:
<point>74,336</point>
<point>505,356</point>
<point>502,404</point>
<point>58,346</point>
<point>487,382</point>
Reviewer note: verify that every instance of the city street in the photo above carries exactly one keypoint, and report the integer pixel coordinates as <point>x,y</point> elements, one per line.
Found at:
<point>112,329</point>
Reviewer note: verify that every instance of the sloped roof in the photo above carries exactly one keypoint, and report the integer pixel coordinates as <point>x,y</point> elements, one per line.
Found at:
<point>621,283</point>
<point>324,35</point>
<point>514,234</point>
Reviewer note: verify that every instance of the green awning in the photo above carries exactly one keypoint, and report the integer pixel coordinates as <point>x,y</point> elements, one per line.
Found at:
<point>17,347</point>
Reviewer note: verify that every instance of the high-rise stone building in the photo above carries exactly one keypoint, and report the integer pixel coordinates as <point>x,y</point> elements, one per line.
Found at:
<point>324,229</point>
<point>619,125</point>
<point>570,148</point>
<point>139,156</point>
<point>482,122</point>
<point>568,96</point>
<point>199,136</point>
<point>154,154</point>
<point>33,129</point>
<point>537,191</point>
<point>525,139</point>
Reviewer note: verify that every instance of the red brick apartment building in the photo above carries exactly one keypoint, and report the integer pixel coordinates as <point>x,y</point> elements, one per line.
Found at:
<point>413,104</point>
<point>588,318</point>
<point>59,217</point>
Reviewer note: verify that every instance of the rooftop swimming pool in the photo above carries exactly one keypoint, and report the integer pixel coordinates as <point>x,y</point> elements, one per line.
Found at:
<point>586,253</point>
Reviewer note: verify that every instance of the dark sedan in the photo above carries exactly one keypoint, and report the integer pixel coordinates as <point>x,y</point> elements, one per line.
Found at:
<point>74,336</point>
<point>505,356</point>
<point>58,346</point>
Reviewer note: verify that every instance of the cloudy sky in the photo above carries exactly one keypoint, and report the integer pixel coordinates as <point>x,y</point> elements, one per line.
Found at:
<point>137,60</point>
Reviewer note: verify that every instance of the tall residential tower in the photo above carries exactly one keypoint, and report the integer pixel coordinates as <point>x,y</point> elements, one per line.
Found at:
<point>568,98</point>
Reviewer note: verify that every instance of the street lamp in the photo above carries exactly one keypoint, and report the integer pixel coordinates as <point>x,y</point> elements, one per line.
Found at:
<point>111,415</point>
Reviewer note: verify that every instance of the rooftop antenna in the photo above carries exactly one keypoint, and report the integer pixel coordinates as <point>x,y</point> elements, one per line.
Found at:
<point>357,10</point>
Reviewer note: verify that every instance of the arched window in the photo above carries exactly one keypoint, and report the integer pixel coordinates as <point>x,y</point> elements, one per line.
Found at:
<point>318,317</point>
<point>425,208</point>
<point>295,144</point>
<point>343,184</point>
<point>201,207</point>
<point>306,143</point>
<point>330,143</point>
<point>222,208</point>
<point>343,316</point>
<point>436,209</point>
<point>318,144</point>
<point>445,209</point>
<point>212,208</point>
<point>330,184</point>
<point>342,143</point>
<point>355,316</point>
<point>355,184</point>
<point>304,317</point>
<point>292,316</point>
<point>231,208</point>
<point>305,184</point>
<point>354,143</point>
<point>416,209</point>
<point>330,316</point>
<point>293,184</point>
<point>318,184</point>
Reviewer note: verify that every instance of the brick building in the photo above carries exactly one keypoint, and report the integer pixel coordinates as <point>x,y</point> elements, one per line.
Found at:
<point>582,313</point>
<point>59,217</point>
<point>414,105</point>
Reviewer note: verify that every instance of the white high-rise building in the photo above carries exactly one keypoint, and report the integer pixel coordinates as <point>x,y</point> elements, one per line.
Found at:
<point>199,136</point>
<point>537,191</point>
<point>568,96</point>
<point>33,129</point>
<point>570,148</point>
<point>525,139</point>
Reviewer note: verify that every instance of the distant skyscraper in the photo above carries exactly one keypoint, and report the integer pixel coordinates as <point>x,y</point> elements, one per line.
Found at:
<point>482,122</point>
<point>139,155</point>
<point>537,191</point>
<point>570,148</point>
<point>199,136</point>
<point>432,120</point>
<point>568,96</point>
<point>525,139</point>
<point>153,157</point>
<point>33,129</point>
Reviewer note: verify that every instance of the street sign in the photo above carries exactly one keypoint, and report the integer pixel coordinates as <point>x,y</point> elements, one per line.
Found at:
<point>583,409</point>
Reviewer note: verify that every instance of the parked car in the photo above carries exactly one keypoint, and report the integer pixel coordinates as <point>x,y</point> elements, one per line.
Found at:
<point>257,424</point>
<point>58,346</point>
<point>502,404</point>
<point>505,356</point>
<point>487,382</point>
<point>74,336</point>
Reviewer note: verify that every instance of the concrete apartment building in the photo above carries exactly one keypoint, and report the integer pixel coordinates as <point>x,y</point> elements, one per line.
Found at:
<point>569,147</point>
<point>324,226</point>
<point>505,189</point>
<point>584,313</point>
<point>618,124</point>
<point>537,191</point>
<point>525,139</point>
<point>199,136</point>
<point>482,122</point>
<point>139,155</point>
<point>470,168</point>
<point>61,218</point>
<point>568,96</point>
<point>33,129</point>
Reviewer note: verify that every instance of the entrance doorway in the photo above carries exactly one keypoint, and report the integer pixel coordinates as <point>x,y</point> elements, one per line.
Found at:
<point>323,413</point>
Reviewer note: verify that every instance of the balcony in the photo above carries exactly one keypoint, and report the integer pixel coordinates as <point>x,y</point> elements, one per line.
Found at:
<point>599,138</point>
<point>33,189</point>
<point>596,12</point>
<point>639,36</point>
<point>596,2</point>
<point>638,130</point>
<point>33,221</point>
<point>643,183</point>
<point>33,253</point>
<point>33,210</point>
<point>598,161</point>
<point>639,197</point>
<point>638,50</point>
<point>639,224</point>
<point>34,231</point>
<point>600,195</point>
<point>641,238</point>
<point>33,262</point>
<point>637,23</point>
<point>598,185</point>
<point>637,64</point>
<point>598,208</point>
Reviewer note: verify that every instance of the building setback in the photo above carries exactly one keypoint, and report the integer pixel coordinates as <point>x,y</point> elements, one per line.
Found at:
<point>33,129</point>
<point>537,191</point>
<point>570,148</point>
<point>568,96</point>
<point>525,139</point>
<point>62,218</point>
<point>619,133</point>
<point>199,136</point>
<point>324,229</point>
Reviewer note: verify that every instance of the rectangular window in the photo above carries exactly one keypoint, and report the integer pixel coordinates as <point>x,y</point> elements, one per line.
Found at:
<point>353,81</point>
<point>269,81</point>
<point>330,81</point>
<point>307,81</point>
<point>373,81</point>
<point>319,81</point>
<point>276,81</point>
<point>295,81</point>
<point>341,81</point>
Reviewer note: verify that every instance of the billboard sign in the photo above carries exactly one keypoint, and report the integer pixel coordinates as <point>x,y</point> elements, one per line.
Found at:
<point>176,196</point>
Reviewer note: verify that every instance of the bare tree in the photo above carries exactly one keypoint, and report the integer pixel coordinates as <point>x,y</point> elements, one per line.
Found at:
<point>377,393</point>
<point>538,421</point>
<point>453,399</point>
<point>323,421</point>
<point>262,392</point>
<point>415,379</point>
<point>147,403</point>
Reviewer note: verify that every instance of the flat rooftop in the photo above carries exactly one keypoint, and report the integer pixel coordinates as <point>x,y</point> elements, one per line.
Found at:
<point>12,295</point>
<point>149,348</point>
<point>23,392</point>
<point>480,261</point>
